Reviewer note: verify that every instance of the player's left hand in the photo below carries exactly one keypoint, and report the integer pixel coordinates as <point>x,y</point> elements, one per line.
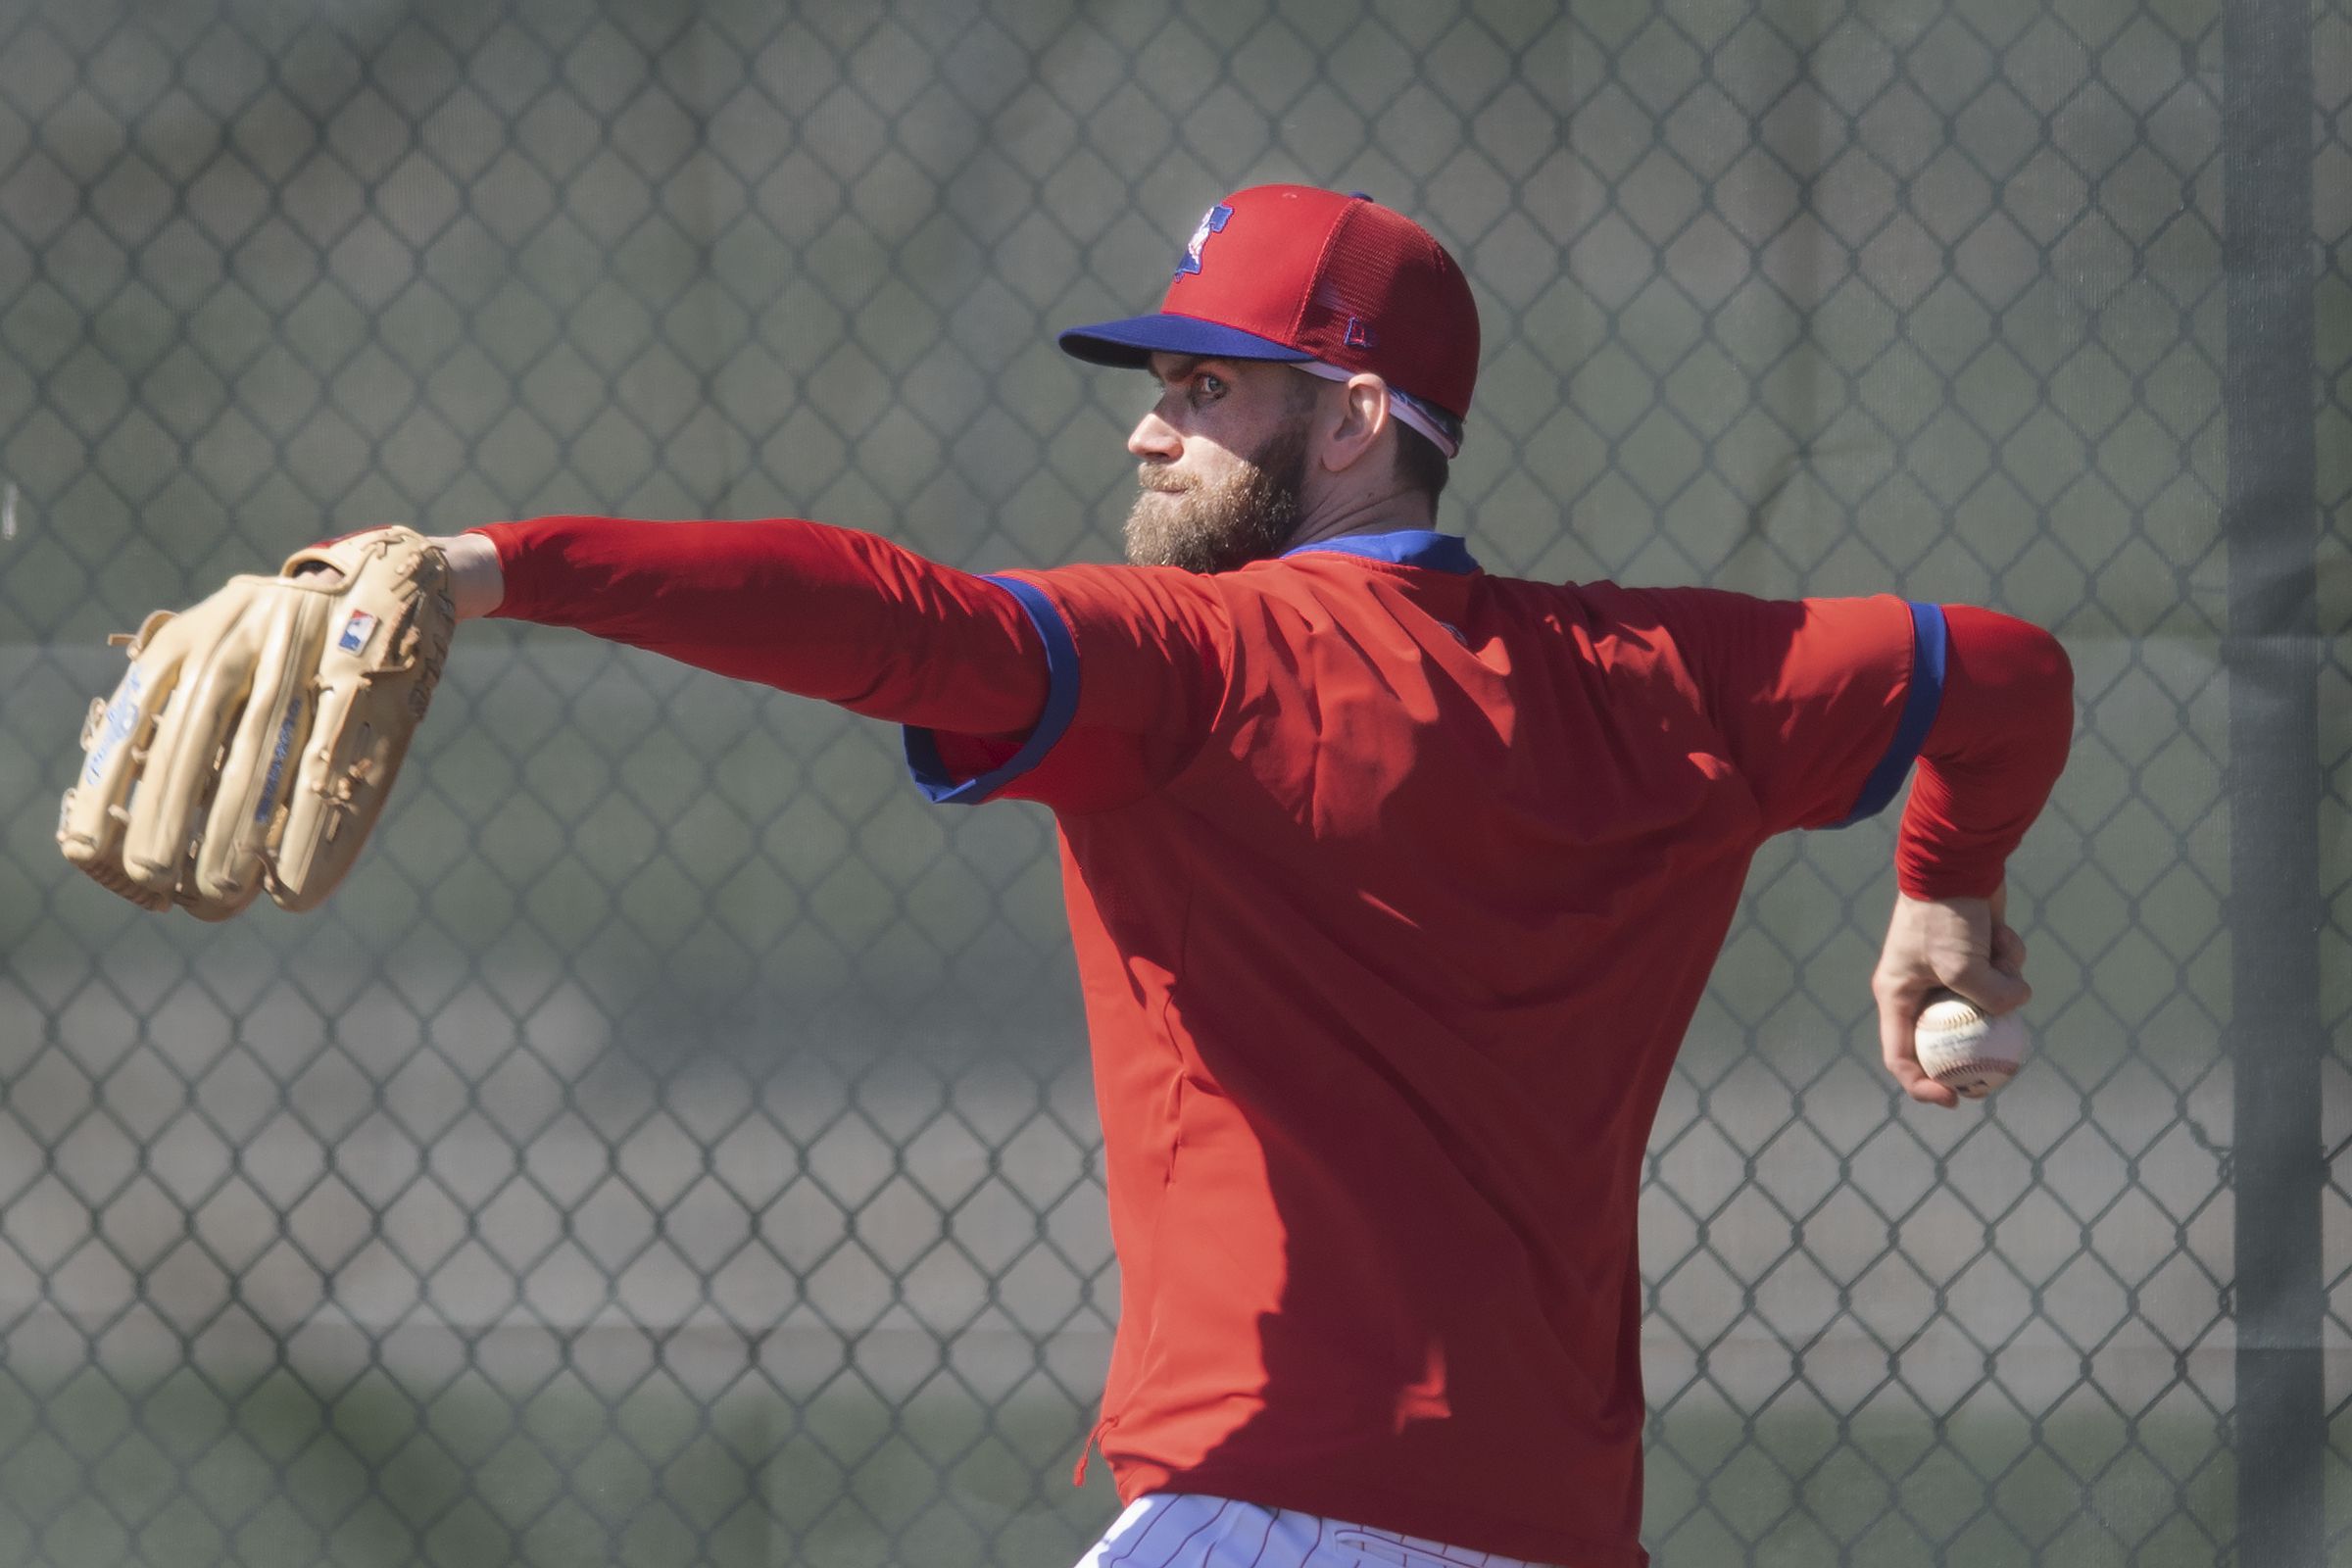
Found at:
<point>252,740</point>
<point>1960,945</point>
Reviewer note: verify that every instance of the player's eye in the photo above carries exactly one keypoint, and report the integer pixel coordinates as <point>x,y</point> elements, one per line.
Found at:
<point>1208,386</point>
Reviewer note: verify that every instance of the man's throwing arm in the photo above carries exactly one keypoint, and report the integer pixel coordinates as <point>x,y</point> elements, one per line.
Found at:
<point>1986,769</point>
<point>1988,763</point>
<point>1823,704</point>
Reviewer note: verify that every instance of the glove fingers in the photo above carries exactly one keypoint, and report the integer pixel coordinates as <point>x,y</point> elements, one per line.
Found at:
<point>262,754</point>
<point>175,789</point>
<point>89,821</point>
<point>93,818</point>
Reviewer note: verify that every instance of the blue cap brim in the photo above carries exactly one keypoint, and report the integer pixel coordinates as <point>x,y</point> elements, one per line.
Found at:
<point>1131,343</point>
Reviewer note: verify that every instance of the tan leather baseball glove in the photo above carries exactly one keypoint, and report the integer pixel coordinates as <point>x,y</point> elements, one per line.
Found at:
<point>255,738</point>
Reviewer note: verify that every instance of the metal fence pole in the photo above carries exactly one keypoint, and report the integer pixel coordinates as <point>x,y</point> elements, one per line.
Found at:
<point>2272,657</point>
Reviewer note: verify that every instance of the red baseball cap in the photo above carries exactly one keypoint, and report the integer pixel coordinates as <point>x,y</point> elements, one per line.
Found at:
<point>1320,280</point>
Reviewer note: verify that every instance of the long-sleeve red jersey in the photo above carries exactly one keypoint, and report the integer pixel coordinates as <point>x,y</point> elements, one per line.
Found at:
<point>1394,886</point>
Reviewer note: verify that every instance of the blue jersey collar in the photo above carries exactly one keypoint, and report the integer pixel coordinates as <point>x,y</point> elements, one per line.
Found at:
<point>1403,547</point>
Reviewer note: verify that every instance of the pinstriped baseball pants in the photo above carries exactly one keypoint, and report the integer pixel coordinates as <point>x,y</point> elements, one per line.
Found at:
<point>1183,1530</point>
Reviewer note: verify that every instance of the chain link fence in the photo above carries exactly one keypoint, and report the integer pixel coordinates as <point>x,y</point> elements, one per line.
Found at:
<point>674,1145</point>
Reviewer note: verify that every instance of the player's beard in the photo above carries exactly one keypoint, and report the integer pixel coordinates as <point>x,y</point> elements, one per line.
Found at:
<point>1247,515</point>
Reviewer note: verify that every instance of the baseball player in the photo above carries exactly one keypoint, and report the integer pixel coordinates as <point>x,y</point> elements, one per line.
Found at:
<point>1393,883</point>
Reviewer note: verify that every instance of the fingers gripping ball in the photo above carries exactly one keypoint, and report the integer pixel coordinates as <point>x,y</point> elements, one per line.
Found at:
<point>254,740</point>
<point>1964,1049</point>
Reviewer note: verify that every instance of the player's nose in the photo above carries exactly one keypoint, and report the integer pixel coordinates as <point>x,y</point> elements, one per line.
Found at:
<point>1154,438</point>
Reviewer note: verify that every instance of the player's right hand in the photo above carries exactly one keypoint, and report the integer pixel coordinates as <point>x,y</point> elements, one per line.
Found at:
<point>1960,945</point>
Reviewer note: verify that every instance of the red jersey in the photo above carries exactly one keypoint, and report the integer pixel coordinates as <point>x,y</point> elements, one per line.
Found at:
<point>1394,886</point>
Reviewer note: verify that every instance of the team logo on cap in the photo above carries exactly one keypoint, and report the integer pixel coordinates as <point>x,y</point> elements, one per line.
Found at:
<point>1213,221</point>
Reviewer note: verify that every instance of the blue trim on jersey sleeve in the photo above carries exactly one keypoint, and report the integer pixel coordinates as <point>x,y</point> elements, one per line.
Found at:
<point>1403,547</point>
<point>931,774</point>
<point>1929,647</point>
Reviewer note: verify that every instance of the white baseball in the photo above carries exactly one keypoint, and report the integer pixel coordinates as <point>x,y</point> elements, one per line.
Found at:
<point>1965,1050</point>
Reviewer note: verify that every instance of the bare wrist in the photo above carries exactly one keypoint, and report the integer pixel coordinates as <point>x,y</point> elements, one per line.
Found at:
<point>477,584</point>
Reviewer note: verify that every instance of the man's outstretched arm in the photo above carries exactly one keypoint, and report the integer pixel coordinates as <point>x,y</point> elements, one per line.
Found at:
<point>1984,770</point>
<point>986,672</point>
<point>821,611</point>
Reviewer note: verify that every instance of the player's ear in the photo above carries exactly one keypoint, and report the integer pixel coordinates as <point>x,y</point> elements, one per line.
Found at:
<point>1361,418</point>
